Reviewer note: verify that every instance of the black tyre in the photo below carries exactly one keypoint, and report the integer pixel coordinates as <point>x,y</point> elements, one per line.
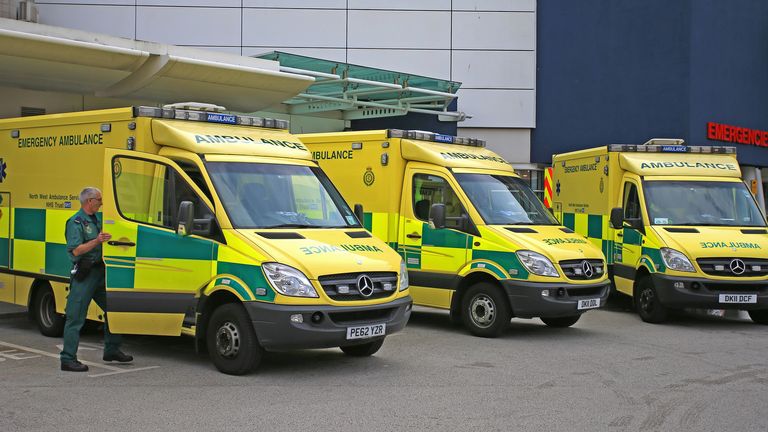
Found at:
<point>648,304</point>
<point>43,310</point>
<point>231,340</point>
<point>363,350</point>
<point>485,310</point>
<point>561,322</point>
<point>759,316</point>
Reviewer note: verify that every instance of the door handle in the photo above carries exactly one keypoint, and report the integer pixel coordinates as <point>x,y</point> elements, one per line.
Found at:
<point>120,243</point>
<point>619,234</point>
<point>413,236</point>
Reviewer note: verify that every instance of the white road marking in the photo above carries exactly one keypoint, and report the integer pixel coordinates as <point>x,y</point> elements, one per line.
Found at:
<point>122,371</point>
<point>83,347</point>
<point>114,370</point>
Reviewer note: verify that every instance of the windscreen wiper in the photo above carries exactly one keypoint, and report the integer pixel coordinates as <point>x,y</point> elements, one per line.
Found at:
<point>294,226</point>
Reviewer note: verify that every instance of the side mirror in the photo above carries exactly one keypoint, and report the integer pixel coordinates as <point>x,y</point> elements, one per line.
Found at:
<point>635,223</point>
<point>437,216</point>
<point>186,218</point>
<point>617,218</point>
<point>189,225</point>
<point>360,214</point>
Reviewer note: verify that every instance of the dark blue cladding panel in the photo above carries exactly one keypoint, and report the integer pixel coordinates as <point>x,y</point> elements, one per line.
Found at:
<point>729,70</point>
<point>623,71</point>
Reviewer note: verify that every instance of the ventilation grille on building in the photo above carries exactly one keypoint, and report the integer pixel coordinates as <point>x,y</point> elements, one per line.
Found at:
<point>30,111</point>
<point>5,9</point>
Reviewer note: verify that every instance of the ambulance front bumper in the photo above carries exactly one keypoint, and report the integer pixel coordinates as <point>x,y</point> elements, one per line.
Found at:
<point>679,292</point>
<point>528,299</point>
<point>276,329</point>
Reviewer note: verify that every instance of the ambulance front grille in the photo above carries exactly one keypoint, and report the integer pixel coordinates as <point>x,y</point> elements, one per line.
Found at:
<point>577,270</point>
<point>747,267</point>
<point>344,287</point>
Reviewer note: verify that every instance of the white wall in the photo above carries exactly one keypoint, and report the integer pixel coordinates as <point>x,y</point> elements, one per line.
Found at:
<point>488,45</point>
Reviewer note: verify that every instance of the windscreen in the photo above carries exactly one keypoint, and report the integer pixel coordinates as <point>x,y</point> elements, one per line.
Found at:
<point>257,195</point>
<point>701,203</point>
<point>504,200</point>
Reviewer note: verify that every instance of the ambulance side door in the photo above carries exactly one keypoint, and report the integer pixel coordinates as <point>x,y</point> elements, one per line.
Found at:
<point>433,256</point>
<point>629,239</point>
<point>153,272</point>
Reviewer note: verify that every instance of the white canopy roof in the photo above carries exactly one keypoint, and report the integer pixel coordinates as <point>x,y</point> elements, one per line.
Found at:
<point>40,57</point>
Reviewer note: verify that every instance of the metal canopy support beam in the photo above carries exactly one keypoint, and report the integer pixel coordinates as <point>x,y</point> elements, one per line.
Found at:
<point>358,98</point>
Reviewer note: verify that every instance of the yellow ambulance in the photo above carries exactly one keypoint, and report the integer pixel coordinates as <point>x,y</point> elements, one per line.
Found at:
<point>223,228</point>
<point>678,226</point>
<point>476,240</point>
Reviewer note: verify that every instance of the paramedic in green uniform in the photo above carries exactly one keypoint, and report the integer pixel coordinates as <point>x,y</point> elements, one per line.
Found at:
<point>84,239</point>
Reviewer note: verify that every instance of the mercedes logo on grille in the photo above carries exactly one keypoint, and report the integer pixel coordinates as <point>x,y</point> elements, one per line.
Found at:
<point>737,266</point>
<point>586,267</point>
<point>365,285</point>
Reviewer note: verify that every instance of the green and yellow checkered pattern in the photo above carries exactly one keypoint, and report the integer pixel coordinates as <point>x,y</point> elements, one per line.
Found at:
<point>448,250</point>
<point>595,228</point>
<point>187,264</point>
<point>32,240</point>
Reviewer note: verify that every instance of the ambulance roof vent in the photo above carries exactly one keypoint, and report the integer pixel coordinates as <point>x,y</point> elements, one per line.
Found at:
<point>434,137</point>
<point>168,112</point>
<point>665,141</point>
<point>198,106</point>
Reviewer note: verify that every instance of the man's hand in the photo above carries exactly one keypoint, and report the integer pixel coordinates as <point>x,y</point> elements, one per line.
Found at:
<point>103,237</point>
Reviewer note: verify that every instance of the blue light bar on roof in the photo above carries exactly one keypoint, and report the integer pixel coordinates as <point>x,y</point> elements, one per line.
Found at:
<point>434,137</point>
<point>209,117</point>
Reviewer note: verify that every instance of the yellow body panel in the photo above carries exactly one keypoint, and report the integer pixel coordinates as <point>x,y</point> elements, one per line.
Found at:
<point>160,324</point>
<point>432,297</point>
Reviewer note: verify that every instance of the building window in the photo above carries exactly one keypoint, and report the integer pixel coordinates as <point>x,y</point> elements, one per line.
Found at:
<point>30,111</point>
<point>535,179</point>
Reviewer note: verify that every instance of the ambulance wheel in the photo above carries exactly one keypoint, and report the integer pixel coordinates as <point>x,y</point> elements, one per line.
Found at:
<point>43,310</point>
<point>647,302</point>
<point>561,322</point>
<point>363,350</point>
<point>759,316</point>
<point>485,311</point>
<point>231,340</point>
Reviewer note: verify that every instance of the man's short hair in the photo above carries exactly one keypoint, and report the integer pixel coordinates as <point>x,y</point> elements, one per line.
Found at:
<point>89,192</point>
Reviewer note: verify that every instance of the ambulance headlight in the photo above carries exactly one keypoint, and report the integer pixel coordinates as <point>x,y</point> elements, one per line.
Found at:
<point>537,263</point>
<point>403,276</point>
<point>288,281</point>
<point>676,260</point>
